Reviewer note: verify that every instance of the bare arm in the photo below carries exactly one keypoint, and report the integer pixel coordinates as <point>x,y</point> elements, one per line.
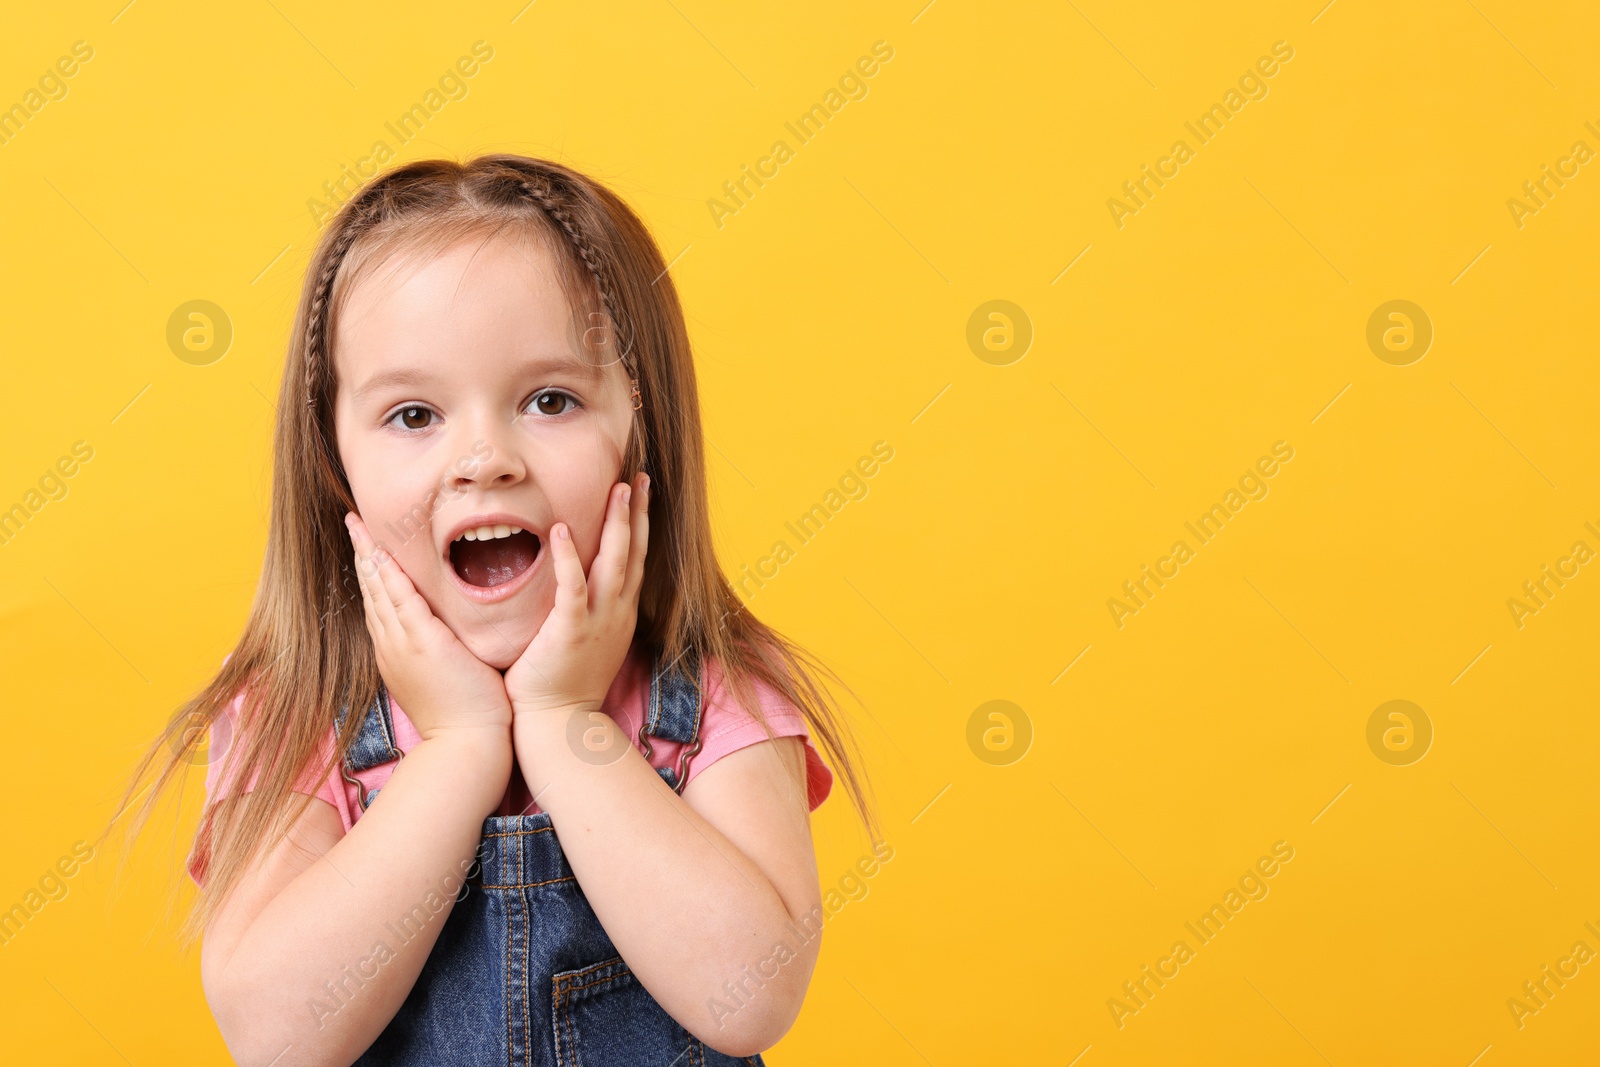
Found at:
<point>697,892</point>
<point>291,966</point>
<point>701,893</point>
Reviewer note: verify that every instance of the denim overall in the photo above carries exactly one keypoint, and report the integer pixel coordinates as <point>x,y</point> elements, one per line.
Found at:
<point>523,974</point>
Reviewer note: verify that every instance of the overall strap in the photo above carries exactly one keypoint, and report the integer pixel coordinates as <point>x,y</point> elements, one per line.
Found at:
<point>374,743</point>
<point>677,700</point>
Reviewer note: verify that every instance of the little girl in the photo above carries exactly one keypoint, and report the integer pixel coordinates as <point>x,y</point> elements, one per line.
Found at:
<point>515,789</point>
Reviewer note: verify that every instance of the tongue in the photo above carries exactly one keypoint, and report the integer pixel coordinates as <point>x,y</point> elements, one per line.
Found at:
<point>491,563</point>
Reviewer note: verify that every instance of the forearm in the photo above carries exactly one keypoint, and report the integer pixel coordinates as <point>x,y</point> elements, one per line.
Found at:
<point>687,909</point>
<point>309,975</point>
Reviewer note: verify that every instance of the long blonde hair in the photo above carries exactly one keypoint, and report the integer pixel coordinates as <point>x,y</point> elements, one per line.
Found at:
<point>305,651</point>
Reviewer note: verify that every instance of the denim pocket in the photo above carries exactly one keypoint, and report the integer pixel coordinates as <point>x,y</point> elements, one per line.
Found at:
<point>604,1018</point>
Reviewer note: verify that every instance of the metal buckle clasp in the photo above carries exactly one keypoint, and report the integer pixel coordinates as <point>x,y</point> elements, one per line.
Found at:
<point>683,757</point>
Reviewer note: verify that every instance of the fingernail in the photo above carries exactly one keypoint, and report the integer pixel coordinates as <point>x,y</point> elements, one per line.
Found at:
<point>627,494</point>
<point>561,532</point>
<point>644,487</point>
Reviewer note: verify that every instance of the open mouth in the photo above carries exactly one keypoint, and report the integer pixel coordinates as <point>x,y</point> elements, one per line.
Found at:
<point>487,556</point>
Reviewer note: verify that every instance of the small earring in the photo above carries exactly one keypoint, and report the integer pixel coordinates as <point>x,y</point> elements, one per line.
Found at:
<point>633,395</point>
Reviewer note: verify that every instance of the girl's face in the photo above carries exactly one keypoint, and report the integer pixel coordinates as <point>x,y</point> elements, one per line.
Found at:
<point>465,411</point>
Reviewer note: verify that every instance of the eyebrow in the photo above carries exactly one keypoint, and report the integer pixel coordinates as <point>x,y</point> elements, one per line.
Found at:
<point>410,377</point>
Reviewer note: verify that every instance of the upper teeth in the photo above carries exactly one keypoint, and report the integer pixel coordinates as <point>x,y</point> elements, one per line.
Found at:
<point>489,533</point>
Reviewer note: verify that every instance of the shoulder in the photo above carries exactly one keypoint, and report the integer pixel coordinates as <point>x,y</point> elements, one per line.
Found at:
<point>729,724</point>
<point>229,756</point>
<point>724,709</point>
<point>220,737</point>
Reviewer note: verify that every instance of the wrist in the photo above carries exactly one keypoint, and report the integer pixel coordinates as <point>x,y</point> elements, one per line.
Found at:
<point>568,743</point>
<point>484,746</point>
<point>480,759</point>
<point>558,712</point>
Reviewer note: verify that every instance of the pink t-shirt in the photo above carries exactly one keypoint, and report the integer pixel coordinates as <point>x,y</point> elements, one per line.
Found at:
<point>724,728</point>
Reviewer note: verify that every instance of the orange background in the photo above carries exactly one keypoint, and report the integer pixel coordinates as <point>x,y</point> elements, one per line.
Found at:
<point>1140,770</point>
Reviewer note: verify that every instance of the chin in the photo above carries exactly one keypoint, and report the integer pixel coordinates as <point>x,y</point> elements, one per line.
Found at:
<point>497,648</point>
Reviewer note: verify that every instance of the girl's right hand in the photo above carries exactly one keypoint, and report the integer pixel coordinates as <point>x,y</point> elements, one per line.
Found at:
<point>439,684</point>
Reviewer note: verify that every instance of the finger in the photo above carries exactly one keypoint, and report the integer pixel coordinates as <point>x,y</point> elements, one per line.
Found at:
<point>639,539</point>
<point>610,568</point>
<point>364,575</point>
<point>572,588</point>
<point>378,594</point>
<point>410,608</point>
<point>362,539</point>
<point>391,582</point>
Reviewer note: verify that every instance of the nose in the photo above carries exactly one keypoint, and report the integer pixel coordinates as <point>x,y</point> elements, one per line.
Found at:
<point>488,456</point>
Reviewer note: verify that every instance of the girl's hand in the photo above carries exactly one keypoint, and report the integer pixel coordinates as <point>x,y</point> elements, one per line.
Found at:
<point>576,654</point>
<point>431,674</point>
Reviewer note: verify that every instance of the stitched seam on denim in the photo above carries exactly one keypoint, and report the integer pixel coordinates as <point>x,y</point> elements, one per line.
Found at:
<point>599,981</point>
<point>386,720</point>
<point>653,721</point>
<point>566,1023</point>
<point>572,976</point>
<point>558,1023</point>
<point>564,990</point>
<point>652,714</point>
<point>511,1044</point>
<point>522,833</point>
<point>527,920</point>
<point>346,757</point>
<point>527,967</point>
<point>530,885</point>
<point>699,702</point>
<point>566,1016</point>
<point>656,726</point>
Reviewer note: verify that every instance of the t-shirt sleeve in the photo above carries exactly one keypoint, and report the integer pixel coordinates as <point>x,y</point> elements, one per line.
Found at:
<point>222,775</point>
<point>725,727</point>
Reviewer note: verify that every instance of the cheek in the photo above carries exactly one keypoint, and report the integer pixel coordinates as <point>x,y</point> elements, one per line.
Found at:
<point>368,485</point>
<point>578,494</point>
<point>588,525</point>
<point>398,509</point>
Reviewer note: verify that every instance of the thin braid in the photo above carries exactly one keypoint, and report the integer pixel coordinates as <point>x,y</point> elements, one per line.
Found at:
<point>540,193</point>
<point>552,206</point>
<point>316,342</point>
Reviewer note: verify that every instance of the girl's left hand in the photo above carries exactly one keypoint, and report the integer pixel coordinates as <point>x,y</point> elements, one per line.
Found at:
<point>576,654</point>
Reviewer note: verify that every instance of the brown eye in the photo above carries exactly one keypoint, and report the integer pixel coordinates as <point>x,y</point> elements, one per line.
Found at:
<point>414,418</point>
<point>543,401</point>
